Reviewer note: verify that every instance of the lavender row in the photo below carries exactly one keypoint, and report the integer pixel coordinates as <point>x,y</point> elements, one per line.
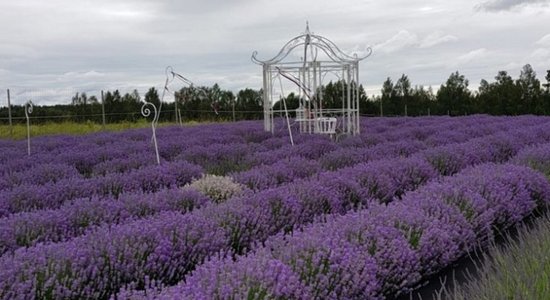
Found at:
<point>383,181</point>
<point>498,147</point>
<point>224,157</point>
<point>303,167</point>
<point>284,171</point>
<point>83,156</point>
<point>374,253</point>
<point>26,229</point>
<point>102,154</point>
<point>41,174</point>
<point>53,225</point>
<point>149,179</point>
<point>536,157</point>
<point>167,246</point>
<point>447,159</point>
<point>77,217</point>
<point>371,182</point>
<point>84,153</point>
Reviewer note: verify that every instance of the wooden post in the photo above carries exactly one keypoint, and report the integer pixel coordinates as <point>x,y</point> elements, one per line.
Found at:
<point>233,110</point>
<point>9,114</point>
<point>103,109</point>
<point>176,108</point>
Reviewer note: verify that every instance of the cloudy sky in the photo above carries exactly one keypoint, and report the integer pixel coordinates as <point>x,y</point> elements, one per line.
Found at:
<point>50,49</point>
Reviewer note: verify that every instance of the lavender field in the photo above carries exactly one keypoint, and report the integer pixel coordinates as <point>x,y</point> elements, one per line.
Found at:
<point>233,212</point>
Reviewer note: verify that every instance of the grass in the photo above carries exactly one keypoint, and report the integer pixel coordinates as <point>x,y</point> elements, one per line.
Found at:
<point>19,131</point>
<point>520,269</point>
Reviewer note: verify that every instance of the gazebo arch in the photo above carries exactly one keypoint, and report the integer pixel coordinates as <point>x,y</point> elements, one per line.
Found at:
<point>308,74</point>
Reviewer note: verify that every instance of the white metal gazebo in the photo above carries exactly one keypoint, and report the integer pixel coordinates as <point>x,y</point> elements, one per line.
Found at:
<point>308,75</point>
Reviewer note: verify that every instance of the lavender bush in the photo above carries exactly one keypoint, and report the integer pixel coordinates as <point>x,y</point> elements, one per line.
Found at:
<point>217,188</point>
<point>383,250</point>
<point>362,217</point>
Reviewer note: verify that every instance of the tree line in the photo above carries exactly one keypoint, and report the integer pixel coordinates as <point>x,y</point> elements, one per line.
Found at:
<point>193,103</point>
<point>503,96</point>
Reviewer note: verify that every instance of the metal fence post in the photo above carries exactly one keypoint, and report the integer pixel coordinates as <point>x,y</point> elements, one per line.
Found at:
<point>103,109</point>
<point>176,108</point>
<point>233,109</point>
<point>9,114</point>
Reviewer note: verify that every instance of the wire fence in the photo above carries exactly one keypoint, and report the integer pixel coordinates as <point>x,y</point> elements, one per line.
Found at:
<point>136,113</point>
<point>89,105</point>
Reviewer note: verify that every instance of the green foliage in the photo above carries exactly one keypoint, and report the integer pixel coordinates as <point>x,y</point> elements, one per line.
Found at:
<point>504,96</point>
<point>214,103</point>
<point>403,100</point>
<point>20,130</point>
<point>518,270</point>
<point>453,97</point>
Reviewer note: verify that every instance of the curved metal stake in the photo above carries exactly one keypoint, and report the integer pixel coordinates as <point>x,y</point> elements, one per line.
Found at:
<point>28,110</point>
<point>170,76</point>
<point>288,123</point>
<point>146,112</point>
<point>286,110</point>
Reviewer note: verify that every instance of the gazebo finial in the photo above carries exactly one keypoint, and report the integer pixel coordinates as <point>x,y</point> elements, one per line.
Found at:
<point>307,35</point>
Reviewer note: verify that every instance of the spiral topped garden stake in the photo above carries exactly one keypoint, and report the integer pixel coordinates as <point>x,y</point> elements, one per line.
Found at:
<point>146,112</point>
<point>28,110</point>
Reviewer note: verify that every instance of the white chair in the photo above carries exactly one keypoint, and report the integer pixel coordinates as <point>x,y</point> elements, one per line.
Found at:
<point>326,125</point>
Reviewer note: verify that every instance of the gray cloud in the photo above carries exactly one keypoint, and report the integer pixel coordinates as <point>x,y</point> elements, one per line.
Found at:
<point>503,5</point>
<point>51,49</point>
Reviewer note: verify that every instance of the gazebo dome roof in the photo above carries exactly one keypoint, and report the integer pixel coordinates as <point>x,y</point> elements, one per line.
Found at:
<point>309,39</point>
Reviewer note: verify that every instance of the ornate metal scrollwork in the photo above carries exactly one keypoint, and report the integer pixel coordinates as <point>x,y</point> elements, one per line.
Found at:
<point>28,110</point>
<point>146,112</point>
<point>309,39</point>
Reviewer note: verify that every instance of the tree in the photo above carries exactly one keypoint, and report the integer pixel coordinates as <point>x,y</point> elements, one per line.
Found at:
<point>79,99</point>
<point>529,88</point>
<point>547,84</point>
<point>292,103</point>
<point>403,92</point>
<point>332,94</point>
<point>454,97</point>
<point>546,97</point>
<point>250,102</point>
<point>131,99</point>
<point>422,101</point>
<point>507,94</point>
<point>93,100</point>
<point>500,97</point>
<point>388,98</point>
<point>152,96</point>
